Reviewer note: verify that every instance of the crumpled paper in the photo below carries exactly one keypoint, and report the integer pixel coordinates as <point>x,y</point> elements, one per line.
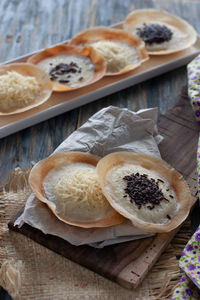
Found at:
<point>110,130</point>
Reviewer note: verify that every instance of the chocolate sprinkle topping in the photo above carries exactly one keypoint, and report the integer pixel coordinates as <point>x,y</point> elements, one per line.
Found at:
<point>143,190</point>
<point>166,199</point>
<point>63,81</point>
<point>62,69</point>
<point>160,180</point>
<point>154,33</point>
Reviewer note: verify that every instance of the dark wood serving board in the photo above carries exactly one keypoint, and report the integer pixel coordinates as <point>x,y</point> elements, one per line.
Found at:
<point>128,263</point>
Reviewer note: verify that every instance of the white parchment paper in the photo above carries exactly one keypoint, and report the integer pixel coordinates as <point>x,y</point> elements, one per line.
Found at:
<point>110,130</point>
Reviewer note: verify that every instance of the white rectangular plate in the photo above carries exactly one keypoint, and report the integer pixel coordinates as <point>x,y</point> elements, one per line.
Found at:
<point>63,102</point>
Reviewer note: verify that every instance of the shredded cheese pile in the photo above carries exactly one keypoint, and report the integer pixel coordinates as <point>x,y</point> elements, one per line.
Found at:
<point>81,188</point>
<point>17,91</point>
<point>117,54</point>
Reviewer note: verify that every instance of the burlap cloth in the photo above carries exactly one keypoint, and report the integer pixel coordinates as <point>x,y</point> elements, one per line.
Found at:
<point>30,271</point>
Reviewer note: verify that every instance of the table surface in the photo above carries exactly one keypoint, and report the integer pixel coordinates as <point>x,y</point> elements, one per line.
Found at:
<point>28,26</point>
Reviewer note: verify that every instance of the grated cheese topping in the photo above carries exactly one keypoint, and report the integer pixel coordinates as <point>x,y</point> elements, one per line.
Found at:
<point>74,190</point>
<point>117,54</point>
<point>82,187</point>
<point>17,91</point>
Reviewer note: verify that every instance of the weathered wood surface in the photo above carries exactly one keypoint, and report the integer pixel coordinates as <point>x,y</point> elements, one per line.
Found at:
<point>27,26</point>
<point>128,263</point>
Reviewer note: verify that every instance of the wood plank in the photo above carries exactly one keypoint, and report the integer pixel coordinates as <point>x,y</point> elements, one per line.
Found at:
<point>27,27</point>
<point>128,263</point>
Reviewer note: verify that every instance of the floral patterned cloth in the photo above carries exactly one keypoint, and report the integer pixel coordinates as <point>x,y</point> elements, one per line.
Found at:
<point>190,264</point>
<point>194,86</point>
<point>188,287</point>
<point>186,290</point>
<point>190,259</point>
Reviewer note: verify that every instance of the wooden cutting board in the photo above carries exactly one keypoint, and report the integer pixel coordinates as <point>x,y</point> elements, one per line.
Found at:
<point>128,263</point>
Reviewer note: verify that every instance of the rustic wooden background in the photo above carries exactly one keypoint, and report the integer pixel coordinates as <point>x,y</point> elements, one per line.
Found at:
<point>27,26</point>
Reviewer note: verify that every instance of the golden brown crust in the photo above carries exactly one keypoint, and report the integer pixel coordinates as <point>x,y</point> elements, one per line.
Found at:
<point>96,34</point>
<point>175,179</point>
<point>41,77</point>
<point>42,168</point>
<point>141,16</point>
<point>97,60</point>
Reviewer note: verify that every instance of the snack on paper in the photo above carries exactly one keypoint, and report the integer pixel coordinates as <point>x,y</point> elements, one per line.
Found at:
<point>68,184</point>
<point>145,190</point>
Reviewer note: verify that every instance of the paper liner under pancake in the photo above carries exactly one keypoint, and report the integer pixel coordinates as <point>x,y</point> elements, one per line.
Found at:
<point>43,80</point>
<point>87,51</point>
<point>139,17</point>
<point>42,168</point>
<point>177,182</point>
<point>96,34</point>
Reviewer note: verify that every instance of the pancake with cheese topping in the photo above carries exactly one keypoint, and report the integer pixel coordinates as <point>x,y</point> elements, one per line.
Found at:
<point>22,87</point>
<point>117,54</point>
<point>68,184</point>
<point>122,51</point>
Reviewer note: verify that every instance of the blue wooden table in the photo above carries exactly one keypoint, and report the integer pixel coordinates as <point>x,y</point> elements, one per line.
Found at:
<point>27,26</point>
